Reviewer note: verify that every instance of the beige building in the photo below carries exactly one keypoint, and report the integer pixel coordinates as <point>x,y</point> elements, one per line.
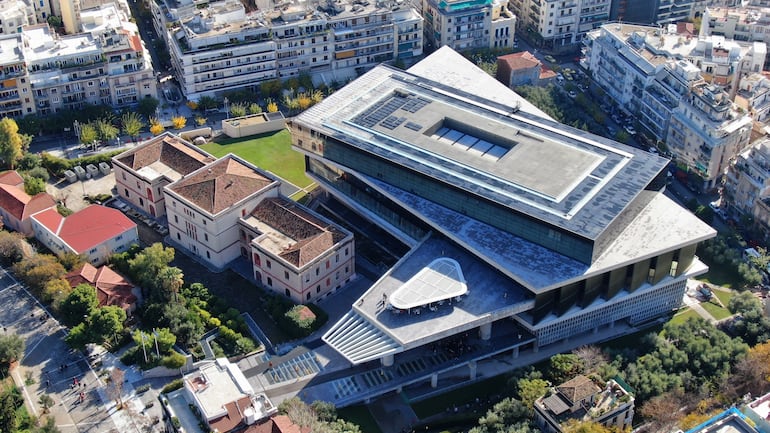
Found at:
<point>747,183</point>
<point>204,207</point>
<point>296,252</point>
<point>141,173</point>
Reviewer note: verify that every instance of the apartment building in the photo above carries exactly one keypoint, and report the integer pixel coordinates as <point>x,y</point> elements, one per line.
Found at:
<point>15,14</point>
<point>465,25</point>
<point>204,207</point>
<point>296,252</point>
<point>560,25</point>
<point>746,23</point>
<point>44,73</point>
<point>747,182</point>
<point>218,47</point>
<point>679,88</point>
<point>753,96</point>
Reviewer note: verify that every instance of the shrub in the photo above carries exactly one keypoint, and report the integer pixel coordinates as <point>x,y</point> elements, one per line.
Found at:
<point>39,173</point>
<point>173,360</point>
<point>172,386</point>
<point>142,389</point>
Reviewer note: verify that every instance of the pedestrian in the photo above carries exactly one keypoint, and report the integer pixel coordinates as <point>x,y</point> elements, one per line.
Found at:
<point>47,383</point>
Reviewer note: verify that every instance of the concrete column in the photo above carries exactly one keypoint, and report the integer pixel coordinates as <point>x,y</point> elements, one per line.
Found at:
<point>515,352</point>
<point>399,390</point>
<point>433,380</point>
<point>535,347</point>
<point>596,330</point>
<point>386,360</point>
<point>485,331</point>
<point>472,367</point>
<point>612,324</point>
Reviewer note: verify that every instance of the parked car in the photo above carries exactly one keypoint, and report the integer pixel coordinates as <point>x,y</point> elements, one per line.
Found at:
<point>550,59</point>
<point>630,129</point>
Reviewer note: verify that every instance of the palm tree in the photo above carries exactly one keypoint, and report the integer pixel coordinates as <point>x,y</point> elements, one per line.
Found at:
<point>171,279</point>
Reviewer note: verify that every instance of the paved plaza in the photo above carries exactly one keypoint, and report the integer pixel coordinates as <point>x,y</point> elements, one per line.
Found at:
<point>50,367</point>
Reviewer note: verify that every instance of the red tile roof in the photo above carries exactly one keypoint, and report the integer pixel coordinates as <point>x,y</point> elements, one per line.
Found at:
<point>11,177</point>
<point>234,415</point>
<point>221,184</point>
<point>313,235</point>
<point>522,60</point>
<point>176,153</point>
<point>17,202</point>
<point>87,228</point>
<point>111,287</point>
<point>277,424</point>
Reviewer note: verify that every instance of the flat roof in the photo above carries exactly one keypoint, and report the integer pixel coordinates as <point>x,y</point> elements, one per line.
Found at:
<point>216,384</point>
<point>567,177</point>
<point>371,331</point>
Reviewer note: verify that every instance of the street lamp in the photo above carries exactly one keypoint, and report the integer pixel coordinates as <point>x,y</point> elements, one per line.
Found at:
<point>227,107</point>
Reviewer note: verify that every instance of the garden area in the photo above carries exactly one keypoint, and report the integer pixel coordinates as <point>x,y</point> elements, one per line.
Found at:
<point>271,152</point>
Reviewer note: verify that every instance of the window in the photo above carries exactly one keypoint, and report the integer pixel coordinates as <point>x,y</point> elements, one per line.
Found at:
<point>124,175</point>
<point>288,293</point>
<point>346,251</point>
<point>337,258</point>
<point>257,261</point>
<point>328,282</point>
<point>141,201</point>
<point>119,238</point>
<point>206,237</point>
<point>126,191</point>
<point>286,275</point>
<point>268,264</point>
<point>318,288</point>
<point>204,223</point>
<point>178,236</point>
<point>327,264</point>
<point>93,250</point>
<point>208,255</point>
<point>308,295</point>
<point>317,271</point>
<point>269,281</point>
<point>176,219</point>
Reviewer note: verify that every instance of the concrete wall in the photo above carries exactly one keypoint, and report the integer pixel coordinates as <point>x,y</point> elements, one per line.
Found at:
<point>254,124</point>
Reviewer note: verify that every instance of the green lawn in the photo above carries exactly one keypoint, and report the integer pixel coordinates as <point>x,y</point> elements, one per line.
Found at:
<point>721,276</point>
<point>271,152</point>
<point>715,310</point>
<point>461,396</point>
<point>723,296</point>
<point>682,317</point>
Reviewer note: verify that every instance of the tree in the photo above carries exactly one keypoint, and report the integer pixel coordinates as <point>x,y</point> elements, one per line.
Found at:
<point>106,322</point>
<point>272,107</point>
<point>115,388</point>
<point>563,367</point>
<point>88,134</point>
<point>54,21</point>
<point>33,185</point>
<point>80,304</point>
<point>663,411</point>
<point>163,336</point>
<point>11,348</point>
<point>146,265</point>
<point>12,143</point>
<point>200,120</point>
<point>503,415</point>
<point>10,247</point>
<point>46,402</point>
<point>55,291</point>
<point>254,108</point>
<point>10,400</point>
<point>530,390</point>
<point>591,357</point>
<point>37,270</point>
<point>132,123</point>
<point>48,426</point>
<point>147,107</point>
<point>173,360</point>
<point>105,129</point>
<point>179,122</point>
<point>156,128</point>
<point>207,103</point>
<point>576,426</point>
<point>71,260</point>
<point>237,109</point>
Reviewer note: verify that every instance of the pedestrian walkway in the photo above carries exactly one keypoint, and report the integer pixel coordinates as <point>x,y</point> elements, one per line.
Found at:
<point>303,365</point>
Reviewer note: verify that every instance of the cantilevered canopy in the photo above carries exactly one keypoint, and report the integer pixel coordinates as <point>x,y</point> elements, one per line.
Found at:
<point>441,279</point>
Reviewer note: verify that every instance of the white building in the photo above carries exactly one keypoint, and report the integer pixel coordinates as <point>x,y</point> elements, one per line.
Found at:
<point>203,208</point>
<point>748,179</point>
<point>224,397</point>
<point>219,47</point>
<point>559,24</point>
<point>96,232</point>
<point>46,73</point>
<point>679,88</point>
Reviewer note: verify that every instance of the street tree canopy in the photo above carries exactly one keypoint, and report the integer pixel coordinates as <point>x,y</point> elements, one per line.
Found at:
<point>12,143</point>
<point>80,304</point>
<point>11,349</point>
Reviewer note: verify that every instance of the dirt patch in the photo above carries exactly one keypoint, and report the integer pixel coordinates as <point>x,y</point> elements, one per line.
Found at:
<point>72,194</point>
